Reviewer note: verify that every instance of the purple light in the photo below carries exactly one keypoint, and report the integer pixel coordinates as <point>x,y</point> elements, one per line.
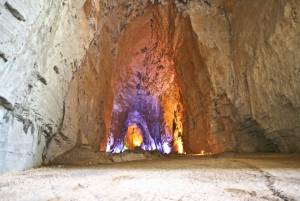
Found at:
<point>166,148</point>
<point>146,113</point>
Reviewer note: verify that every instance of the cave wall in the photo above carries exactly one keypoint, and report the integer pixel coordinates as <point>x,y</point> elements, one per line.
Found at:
<point>237,64</point>
<point>41,46</point>
<point>266,52</point>
<point>251,49</point>
<point>89,100</point>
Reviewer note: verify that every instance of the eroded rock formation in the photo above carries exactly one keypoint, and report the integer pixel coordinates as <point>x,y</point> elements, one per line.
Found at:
<point>225,71</point>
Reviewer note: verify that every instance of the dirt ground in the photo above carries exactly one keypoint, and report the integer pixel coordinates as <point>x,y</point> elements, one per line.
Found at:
<point>243,177</point>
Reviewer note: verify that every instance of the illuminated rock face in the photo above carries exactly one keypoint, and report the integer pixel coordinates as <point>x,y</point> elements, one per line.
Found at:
<point>146,90</point>
<point>203,76</point>
<point>204,60</point>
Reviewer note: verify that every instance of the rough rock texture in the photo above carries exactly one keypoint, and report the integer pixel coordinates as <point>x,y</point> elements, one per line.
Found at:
<point>252,52</point>
<point>38,57</point>
<point>235,64</point>
<point>145,80</point>
<point>89,99</point>
<point>228,103</point>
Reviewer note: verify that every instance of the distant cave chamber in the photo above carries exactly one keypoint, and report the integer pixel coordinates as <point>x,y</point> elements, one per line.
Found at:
<point>147,108</point>
<point>155,87</point>
<point>145,128</point>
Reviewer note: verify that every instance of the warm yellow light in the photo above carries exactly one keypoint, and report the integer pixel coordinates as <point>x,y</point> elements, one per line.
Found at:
<point>173,115</point>
<point>202,153</point>
<point>137,140</point>
<point>178,145</point>
<point>133,137</point>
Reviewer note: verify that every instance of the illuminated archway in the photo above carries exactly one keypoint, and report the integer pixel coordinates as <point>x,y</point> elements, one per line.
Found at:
<point>133,137</point>
<point>156,75</point>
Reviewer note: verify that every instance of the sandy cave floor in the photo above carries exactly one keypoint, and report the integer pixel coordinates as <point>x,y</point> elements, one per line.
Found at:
<point>243,177</point>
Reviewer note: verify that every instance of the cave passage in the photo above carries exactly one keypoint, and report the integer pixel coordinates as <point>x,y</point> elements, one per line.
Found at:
<point>147,88</point>
<point>149,100</point>
<point>145,128</point>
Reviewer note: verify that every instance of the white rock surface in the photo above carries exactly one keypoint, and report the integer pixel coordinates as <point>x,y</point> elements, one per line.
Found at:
<point>42,53</point>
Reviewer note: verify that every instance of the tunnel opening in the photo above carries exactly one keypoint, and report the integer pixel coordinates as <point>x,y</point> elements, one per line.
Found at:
<point>145,125</point>
<point>133,138</point>
<point>159,76</point>
<point>146,86</point>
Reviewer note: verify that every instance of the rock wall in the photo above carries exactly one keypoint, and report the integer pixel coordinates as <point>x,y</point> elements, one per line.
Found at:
<point>89,99</point>
<point>42,44</point>
<point>266,51</point>
<point>252,52</point>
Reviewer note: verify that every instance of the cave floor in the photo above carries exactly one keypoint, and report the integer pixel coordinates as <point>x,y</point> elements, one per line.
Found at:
<point>235,177</point>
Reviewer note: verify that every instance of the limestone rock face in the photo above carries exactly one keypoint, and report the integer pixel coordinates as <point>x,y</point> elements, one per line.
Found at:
<point>266,52</point>
<point>66,66</point>
<point>39,55</point>
<point>252,52</point>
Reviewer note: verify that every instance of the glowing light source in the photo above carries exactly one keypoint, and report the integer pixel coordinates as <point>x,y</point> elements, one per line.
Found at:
<point>133,137</point>
<point>167,148</point>
<point>202,153</point>
<point>150,125</point>
<point>178,145</point>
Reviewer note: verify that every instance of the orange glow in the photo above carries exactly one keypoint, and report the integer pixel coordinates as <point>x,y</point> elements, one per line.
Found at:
<point>178,145</point>
<point>133,137</point>
<point>202,153</point>
<point>173,116</point>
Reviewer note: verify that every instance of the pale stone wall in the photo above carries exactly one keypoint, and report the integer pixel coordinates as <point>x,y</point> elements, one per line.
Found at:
<point>40,52</point>
<point>252,51</point>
